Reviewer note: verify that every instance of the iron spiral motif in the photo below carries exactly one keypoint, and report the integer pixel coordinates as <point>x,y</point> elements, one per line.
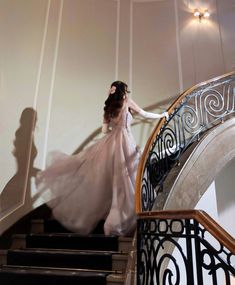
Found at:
<point>152,267</point>
<point>180,252</point>
<point>199,111</point>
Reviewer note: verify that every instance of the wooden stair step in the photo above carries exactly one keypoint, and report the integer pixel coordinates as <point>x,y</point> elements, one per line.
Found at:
<point>60,259</point>
<point>72,241</point>
<point>68,258</point>
<point>119,259</point>
<point>51,252</point>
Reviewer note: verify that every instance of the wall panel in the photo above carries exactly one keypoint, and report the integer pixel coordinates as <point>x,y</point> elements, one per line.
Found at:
<point>155,65</point>
<point>85,68</point>
<point>21,29</point>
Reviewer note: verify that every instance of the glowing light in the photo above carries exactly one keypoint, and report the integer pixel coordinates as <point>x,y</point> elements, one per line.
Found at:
<point>198,14</point>
<point>206,14</point>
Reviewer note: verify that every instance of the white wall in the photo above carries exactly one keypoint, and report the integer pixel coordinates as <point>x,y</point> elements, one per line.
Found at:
<point>219,199</point>
<point>225,196</point>
<point>59,57</point>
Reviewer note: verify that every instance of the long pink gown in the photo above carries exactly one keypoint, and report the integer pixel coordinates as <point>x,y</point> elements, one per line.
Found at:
<point>96,184</point>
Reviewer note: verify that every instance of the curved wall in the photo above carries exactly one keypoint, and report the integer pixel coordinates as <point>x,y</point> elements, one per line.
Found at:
<point>225,197</point>
<point>210,168</point>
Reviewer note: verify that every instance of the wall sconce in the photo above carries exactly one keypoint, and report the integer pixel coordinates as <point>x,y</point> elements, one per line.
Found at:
<point>201,15</point>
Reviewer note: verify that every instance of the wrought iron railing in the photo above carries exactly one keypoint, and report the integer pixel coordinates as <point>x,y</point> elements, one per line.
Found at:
<point>183,248</point>
<point>195,111</point>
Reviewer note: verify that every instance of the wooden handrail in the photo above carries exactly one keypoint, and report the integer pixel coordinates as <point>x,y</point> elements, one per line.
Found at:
<point>157,130</point>
<point>201,217</point>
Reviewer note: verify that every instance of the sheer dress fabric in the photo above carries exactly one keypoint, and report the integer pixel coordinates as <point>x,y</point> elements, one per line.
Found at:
<point>95,184</point>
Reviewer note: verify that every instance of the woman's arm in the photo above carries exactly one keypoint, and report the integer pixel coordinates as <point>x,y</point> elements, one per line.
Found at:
<point>105,126</point>
<point>148,115</point>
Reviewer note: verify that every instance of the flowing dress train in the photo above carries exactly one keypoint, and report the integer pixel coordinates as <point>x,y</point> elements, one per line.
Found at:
<point>95,184</point>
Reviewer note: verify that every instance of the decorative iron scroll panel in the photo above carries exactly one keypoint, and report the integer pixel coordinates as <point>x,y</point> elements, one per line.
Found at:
<point>180,252</point>
<point>199,111</point>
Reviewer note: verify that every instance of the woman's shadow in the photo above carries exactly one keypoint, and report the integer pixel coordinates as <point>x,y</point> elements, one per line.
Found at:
<point>25,153</point>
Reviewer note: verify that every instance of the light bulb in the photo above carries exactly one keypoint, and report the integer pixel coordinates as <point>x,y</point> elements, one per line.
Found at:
<point>196,13</point>
<point>206,14</point>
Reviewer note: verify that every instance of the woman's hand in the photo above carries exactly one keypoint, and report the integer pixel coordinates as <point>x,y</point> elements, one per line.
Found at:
<point>105,128</point>
<point>166,115</point>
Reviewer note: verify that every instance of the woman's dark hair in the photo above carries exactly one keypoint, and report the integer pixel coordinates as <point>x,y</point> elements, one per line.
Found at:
<point>114,102</point>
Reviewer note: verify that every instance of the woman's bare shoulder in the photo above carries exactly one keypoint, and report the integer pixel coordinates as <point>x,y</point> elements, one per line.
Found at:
<point>132,105</point>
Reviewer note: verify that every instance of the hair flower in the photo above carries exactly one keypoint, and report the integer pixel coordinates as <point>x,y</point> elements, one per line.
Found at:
<point>112,90</point>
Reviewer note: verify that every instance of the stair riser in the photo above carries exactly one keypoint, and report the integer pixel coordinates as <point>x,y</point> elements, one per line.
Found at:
<point>121,244</point>
<point>70,242</point>
<point>33,256</point>
<point>3,257</point>
<point>116,262</point>
<point>53,226</point>
<point>60,260</point>
<point>18,241</point>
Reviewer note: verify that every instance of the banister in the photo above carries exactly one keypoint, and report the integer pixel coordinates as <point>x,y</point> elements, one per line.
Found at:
<point>159,127</point>
<point>183,247</point>
<point>201,217</point>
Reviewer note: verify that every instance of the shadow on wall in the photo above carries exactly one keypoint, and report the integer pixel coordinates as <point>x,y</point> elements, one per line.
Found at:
<point>25,153</point>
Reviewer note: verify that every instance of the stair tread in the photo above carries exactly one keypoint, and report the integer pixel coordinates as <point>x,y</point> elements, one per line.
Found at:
<point>72,260</point>
<point>35,276</point>
<point>51,270</point>
<point>73,250</point>
<point>58,252</point>
<point>64,270</point>
<point>73,241</point>
<point>101,236</point>
<point>74,234</point>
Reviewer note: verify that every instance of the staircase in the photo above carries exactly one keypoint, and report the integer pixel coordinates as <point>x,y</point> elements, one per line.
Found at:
<point>181,159</point>
<point>50,253</point>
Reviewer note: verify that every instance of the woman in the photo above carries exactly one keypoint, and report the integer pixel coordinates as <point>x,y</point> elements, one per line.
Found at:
<point>99,182</point>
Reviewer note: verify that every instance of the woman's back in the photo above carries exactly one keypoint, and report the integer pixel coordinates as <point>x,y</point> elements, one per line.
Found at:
<point>123,119</point>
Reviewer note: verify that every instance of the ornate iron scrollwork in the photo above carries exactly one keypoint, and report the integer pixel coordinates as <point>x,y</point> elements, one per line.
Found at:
<point>180,252</point>
<point>198,111</point>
